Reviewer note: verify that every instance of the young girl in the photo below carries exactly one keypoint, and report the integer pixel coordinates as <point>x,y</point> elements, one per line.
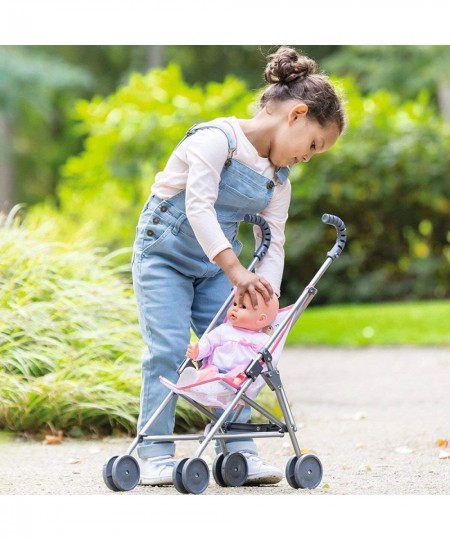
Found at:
<point>185,259</point>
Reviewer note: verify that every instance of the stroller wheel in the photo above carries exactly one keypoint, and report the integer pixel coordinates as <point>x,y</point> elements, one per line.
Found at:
<point>107,474</point>
<point>234,469</point>
<point>308,471</point>
<point>125,473</point>
<point>195,476</point>
<point>217,470</point>
<point>177,475</point>
<point>290,472</point>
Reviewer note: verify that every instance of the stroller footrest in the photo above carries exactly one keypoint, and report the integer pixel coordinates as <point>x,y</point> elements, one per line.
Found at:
<point>249,427</point>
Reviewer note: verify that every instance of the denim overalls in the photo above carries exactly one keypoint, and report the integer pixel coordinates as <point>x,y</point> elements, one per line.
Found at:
<point>177,286</point>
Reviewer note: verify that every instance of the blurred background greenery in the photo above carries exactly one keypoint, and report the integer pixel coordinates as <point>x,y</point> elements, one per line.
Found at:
<point>83,130</point>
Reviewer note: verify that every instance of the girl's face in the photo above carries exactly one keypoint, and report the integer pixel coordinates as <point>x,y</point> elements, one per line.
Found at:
<point>300,137</point>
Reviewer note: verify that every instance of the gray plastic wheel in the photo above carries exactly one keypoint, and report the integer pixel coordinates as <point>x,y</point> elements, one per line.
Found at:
<point>234,469</point>
<point>195,475</point>
<point>107,473</point>
<point>290,472</point>
<point>125,473</point>
<point>217,470</point>
<point>308,471</point>
<point>177,475</point>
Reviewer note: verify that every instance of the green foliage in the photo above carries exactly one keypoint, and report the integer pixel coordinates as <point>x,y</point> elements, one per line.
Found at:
<point>403,69</point>
<point>388,179</point>
<point>36,93</point>
<point>130,136</point>
<point>69,339</point>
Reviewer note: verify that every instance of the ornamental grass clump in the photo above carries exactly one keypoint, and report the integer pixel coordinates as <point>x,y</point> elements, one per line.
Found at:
<point>70,345</point>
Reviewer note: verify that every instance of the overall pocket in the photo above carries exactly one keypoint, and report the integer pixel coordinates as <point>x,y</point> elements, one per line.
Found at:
<point>153,228</point>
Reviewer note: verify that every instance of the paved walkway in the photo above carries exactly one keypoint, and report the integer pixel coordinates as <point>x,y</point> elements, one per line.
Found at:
<point>373,416</point>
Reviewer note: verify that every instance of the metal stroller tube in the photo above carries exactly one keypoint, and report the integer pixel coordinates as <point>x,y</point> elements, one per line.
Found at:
<point>265,231</point>
<point>341,234</point>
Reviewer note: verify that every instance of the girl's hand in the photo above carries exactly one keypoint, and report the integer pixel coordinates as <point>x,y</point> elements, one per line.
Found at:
<point>244,280</point>
<point>248,282</point>
<point>192,351</point>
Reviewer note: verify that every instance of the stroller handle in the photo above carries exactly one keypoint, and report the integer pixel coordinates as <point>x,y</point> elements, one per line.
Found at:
<point>265,231</point>
<point>339,225</point>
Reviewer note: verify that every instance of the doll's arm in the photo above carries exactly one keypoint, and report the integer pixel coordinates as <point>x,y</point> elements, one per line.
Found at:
<point>192,351</point>
<point>207,343</point>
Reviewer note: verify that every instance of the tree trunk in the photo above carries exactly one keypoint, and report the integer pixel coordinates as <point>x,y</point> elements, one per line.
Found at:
<point>155,56</point>
<point>6,165</point>
<point>444,99</point>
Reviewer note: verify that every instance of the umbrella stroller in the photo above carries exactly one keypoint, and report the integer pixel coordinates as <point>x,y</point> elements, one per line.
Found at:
<point>230,392</point>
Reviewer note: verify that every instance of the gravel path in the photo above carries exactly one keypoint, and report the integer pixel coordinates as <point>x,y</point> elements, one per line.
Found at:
<point>373,416</point>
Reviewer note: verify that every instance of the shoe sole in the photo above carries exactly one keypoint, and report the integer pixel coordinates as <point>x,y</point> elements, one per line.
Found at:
<point>257,480</point>
<point>147,482</point>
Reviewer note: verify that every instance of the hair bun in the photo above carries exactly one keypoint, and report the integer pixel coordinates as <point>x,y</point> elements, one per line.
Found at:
<point>287,65</point>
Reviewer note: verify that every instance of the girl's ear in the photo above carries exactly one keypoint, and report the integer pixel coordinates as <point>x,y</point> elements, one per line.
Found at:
<point>300,110</point>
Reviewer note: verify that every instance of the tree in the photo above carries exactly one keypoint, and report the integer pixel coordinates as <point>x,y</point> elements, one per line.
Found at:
<point>403,69</point>
<point>30,84</point>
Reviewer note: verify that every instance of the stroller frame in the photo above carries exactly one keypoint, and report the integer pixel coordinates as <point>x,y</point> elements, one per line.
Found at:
<point>121,473</point>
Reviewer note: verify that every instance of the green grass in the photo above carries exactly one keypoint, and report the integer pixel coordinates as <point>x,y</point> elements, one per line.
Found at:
<point>6,436</point>
<point>405,323</point>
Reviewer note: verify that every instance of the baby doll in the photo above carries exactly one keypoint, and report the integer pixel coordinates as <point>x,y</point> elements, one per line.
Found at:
<point>234,342</point>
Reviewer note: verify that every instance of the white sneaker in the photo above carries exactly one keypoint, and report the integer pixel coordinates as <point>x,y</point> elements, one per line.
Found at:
<point>260,472</point>
<point>156,471</point>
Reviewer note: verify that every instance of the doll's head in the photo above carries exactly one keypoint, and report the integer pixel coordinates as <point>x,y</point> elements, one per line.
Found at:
<point>248,317</point>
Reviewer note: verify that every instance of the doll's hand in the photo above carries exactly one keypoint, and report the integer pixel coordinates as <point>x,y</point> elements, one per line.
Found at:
<point>192,351</point>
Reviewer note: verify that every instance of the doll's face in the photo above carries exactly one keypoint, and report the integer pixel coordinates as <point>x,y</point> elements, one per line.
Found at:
<point>248,317</point>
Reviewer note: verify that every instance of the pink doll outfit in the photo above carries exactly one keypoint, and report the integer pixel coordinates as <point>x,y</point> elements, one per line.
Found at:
<point>226,351</point>
<point>227,346</point>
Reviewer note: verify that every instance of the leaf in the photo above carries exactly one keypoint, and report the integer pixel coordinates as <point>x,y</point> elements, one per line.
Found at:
<point>442,442</point>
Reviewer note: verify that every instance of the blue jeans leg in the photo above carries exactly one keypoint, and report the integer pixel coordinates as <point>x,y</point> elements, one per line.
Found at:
<point>164,298</point>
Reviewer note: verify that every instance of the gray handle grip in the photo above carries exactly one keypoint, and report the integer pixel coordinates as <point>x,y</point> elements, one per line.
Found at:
<point>265,231</point>
<point>339,225</point>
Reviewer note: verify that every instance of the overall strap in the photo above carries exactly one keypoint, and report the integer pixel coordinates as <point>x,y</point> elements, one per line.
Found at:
<point>281,174</point>
<point>226,130</point>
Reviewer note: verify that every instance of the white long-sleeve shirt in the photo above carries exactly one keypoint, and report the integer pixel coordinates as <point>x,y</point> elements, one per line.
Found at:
<point>195,165</point>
